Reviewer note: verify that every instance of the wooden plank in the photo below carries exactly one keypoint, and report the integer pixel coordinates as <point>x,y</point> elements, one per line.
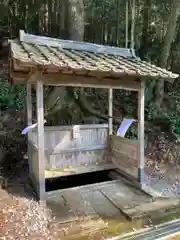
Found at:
<point>90,220</point>
<point>116,197</point>
<point>60,149</point>
<point>134,204</point>
<point>124,196</point>
<point>132,193</point>
<point>131,182</point>
<point>128,146</point>
<point>126,83</point>
<point>52,173</point>
<point>101,204</point>
<point>40,130</point>
<point>123,82</point>
<point>141,132</point>
<point>61,210</point>
<point>129,169</point>
<point>60,137</point>
<point>81,207</point>
<point>125,155</point>
<point>70,127</point>
<point>70,162</point>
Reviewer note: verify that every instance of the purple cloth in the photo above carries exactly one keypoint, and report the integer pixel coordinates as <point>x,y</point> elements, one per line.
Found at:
<point>125,125</point>
<point>29,128</point>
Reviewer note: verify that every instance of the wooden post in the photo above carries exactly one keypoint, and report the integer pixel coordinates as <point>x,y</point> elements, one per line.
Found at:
<point>141,132</point>
<point>110,117</point>
<point>29,121</point>
<point>40,129</point>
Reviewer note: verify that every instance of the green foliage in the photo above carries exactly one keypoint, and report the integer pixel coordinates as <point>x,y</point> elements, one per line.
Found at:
<point>173,115</point>
<point>174,121</point>
<point>129,108</point>
<point>5,100</point>
<point>152,112</point>
<point>167,118</point>
<point>11,96</point>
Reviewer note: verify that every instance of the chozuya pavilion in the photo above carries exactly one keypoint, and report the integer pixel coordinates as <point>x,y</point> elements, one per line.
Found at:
<point>57,151</point>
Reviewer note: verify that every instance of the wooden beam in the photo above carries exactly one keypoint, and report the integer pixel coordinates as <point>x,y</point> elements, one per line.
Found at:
<point>110,117</point>
<point>32,77</point>
<point>40,129</point>
<point>29,121</point>
<point>141,132</point>
<point>124,82</point>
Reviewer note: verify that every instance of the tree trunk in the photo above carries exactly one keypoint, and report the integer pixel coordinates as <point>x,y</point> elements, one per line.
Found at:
<point>55,101</point>
<point>145,36</point>
<point>102,25</point>
<point>171,30</point>
<point>76,19</point>
<point>76,32</point>
<point>49,16</point>
<point>117,21</point>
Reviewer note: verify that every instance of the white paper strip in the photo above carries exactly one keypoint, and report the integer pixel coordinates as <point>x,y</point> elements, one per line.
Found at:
<point>125,125</point>
<point>76,131</point>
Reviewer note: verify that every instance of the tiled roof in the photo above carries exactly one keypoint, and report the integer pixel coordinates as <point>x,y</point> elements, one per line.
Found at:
<point>82,58</point>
